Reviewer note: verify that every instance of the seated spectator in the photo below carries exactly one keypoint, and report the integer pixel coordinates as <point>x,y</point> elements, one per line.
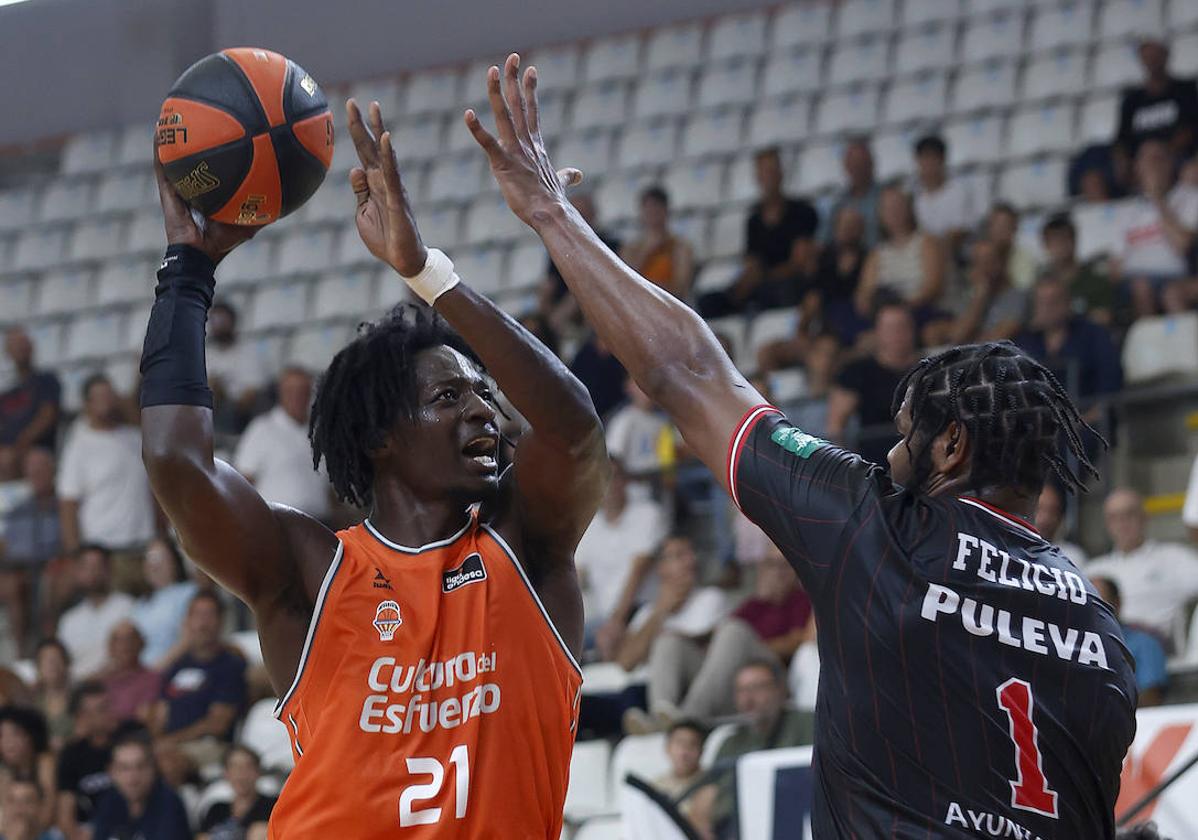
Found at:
<point>1050,516</point>
<point>139,804</point>
<point>235,371</point>
<point>770,724</point>
<point>160,615</point>
<point>1077,351</point>
<point>1156,579</point>
<point>658,254</point>
<point>245,817</point>
<point>82,774</point>
<point>22,809</point>
<point>1089,287</point>
<point>1158,230</point>
<point>1189,511</point>
<point>556,302</point>
<point>29,409</point>
<point>84,628</point>
<point>1163,108</point>
<point>14,490</point>
<point>25,754</point>
<point>29,541</point>
<point>780,246</point>
<point>778,611</point>
<point>1152,677</point>
<point>908,264</point>
<point>861,193</point>
<point>103,491</point>
<point>52,689</point>
<point>809,411</point>
<point>600,371</point>
<point>614,557</point>
<point>673,635</point>
<point>204,690</point>
<point>684,749</point>
<point>1002,230</point>
<point>865,388</point>
<point>274,453</point>
<point>944,207</point>
<point>133,688</point>
<point>997,308</point>
<point>635,435</point>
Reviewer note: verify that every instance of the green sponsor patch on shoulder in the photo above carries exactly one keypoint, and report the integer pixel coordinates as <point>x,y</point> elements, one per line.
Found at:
<point>796,441</point>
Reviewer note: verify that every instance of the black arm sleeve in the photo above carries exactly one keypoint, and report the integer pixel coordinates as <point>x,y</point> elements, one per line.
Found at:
<point>172,361</point>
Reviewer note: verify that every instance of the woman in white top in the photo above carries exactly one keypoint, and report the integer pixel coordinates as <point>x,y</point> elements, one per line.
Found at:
<point>908,264</point>
<point>159,616</point>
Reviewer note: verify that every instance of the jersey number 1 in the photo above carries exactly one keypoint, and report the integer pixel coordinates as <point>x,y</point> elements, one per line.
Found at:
<point>409,815</point>
<point>1029,790</point>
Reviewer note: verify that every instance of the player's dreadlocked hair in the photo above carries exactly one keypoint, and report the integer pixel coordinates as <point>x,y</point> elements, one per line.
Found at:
<point>1013,409</point>
<point>369,385</point>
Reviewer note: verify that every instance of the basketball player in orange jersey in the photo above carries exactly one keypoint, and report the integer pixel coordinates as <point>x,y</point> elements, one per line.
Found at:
<point>425,659</point>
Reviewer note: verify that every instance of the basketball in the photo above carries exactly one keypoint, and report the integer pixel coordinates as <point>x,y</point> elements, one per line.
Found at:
<point>245,136</point>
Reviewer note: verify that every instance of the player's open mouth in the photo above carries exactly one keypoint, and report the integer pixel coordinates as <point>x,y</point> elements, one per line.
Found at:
<point>481,450</point>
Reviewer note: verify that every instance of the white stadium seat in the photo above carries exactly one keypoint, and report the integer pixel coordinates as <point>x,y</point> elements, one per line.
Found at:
<point>742,180</point>
<point>618,196</point>
<point>855,110</point>
<point>135,329</point>
<point>126,279</point>
<point>47,341</point>
<point>715,740</point>
<point>65,291</point>
<point>1131,18</point>
<point>90,151</point>
<point>779,123</point>
<point>1036,184</point>
<point>1185,55</point>
<point>801,24</point>
<point>984,8</point>
<point>1183,15</point>
<point>867,60</point>
<point>1055,26</point>
<point>681,46</point>
<point>861,16</point>
<point>526,265</point>
<point>145,234</point>
<point>924,98</point>
<point>974,140</point>
<point>281,305</point>
<point>588,150</point>
<point>918,12</point>
<point>348,248</point>
<point>1059,73</point>
<point>313,347</point>
<point>727,234</point>
<point>717,132</point>
<point>695,184</point>
<point>604,105</point>
<point>332,202</point>
<point>600,828</point>
<point>665,93</point>
<point>729,84</point>
<point>934,47</point>
<point>98,239</point>
<point>126,190</point>
<point>1160,347</point>
<point>16,301</point>
<point>16,208</point>
<point>66,199</point>
<point>483,268</point>
<point>345,157</point>
<point>1115,66</point>
<point>642,755</point>
<point>612,58</point>
<point>307,251</point>
<point>990,85</point>
<point>434,91</point>
<point>71,381</point>
<point>737,35</point>
<point>1099,115</point>
<point>731,330</point>
<point>251,262</point>
<point>94,336</point>
<point>385,91</point>
<point>418,139</point>
<point>587,794</point>
<point>819,167</point>
<point>1000,36</point>
<point>717,275</point>
<point>348,293</point>
<point>648,145</point>
<point>490,220</point>
<point>694,228</point>
<point>1098,227</point>
<point>267,736</point>
<point>41,248</point>
<point>794,71</point>
<point>123,373</point>
<point>135,145</point>
<point>1041,128</point>
<point>893,155</point>
<point>455,179</point>
<point>767,327</point>
<point>557,68</point>
<point>441,225</point>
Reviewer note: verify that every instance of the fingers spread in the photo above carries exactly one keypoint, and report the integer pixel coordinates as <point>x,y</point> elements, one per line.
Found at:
<point>499,109</point>
<point>363,142</point>
<point>359,184</point>
<point>532,111</point>
<point>390,170</point>
<point>483,137</point>
<point>513,96</point>
<point>376,120</point>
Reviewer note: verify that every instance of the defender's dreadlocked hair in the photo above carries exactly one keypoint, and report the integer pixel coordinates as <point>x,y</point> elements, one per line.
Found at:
<point>1013,409</point>
<point>369,385</point>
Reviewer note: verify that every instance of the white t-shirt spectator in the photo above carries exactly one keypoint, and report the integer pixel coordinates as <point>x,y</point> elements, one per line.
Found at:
<point>1156,582</point>
<point>1075,553</point>
<point>1143,247</point>
<point>608,547</point>
<point>952,207</point>
<point>704,609</point>
<point>102,470</point>
<point>1189,512</point>
<point>238,367</point>
<point>85,628</point>
<point>633,437</point>
<point>275,451</point>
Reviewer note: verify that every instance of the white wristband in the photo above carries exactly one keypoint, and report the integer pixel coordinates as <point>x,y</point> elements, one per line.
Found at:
<point>435,279</point>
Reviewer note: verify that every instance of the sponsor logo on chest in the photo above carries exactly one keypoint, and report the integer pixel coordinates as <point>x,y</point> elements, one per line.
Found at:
<point>470,571</point>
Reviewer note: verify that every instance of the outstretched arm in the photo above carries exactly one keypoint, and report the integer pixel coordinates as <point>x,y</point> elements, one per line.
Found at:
<point>664,345</point>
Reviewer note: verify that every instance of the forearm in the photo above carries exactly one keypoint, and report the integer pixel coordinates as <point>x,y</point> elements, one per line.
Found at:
<point>214,725</point>
<point>635,648</point>
<point>43,421</point>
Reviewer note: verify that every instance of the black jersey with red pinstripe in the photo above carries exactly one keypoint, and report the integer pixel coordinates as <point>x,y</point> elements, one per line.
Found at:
<point>972,684</point>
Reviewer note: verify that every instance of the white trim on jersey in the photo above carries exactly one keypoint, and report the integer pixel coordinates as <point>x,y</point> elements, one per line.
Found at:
<point>317,608</point>
<point>408,549</point>
<point>738,441</point>
<point>1010,520</point>
<point>298,749</point>
<point>535,597</point>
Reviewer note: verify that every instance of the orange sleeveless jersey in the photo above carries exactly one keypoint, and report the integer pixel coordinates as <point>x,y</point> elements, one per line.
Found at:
<point>433,698</point>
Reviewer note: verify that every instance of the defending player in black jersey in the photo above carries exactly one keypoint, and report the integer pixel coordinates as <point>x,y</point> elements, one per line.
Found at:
<point>972,683</point>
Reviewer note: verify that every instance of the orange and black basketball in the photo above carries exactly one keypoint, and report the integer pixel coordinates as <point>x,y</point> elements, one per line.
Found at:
<point>245,136</point>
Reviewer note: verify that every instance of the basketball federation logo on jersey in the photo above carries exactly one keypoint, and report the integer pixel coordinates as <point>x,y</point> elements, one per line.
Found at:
<point>387,620</point>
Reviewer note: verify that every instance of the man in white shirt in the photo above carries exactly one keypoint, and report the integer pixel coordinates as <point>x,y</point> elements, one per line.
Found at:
<point>1050,516</point>
<point>1157,580</point>
<point>235,371</point>
<point>634,435</point>
<point>1189,512</point>
<point>104,494</point>
<point>85,627</point>
<point>943,207</point>
<point>275,455</point>
<point>1157,232</point>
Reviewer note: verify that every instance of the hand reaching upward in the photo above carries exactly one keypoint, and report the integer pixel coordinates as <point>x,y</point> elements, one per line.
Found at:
<point>183,227</point>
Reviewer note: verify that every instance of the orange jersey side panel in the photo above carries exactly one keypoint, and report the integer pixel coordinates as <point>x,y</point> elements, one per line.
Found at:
<point>433,700</point>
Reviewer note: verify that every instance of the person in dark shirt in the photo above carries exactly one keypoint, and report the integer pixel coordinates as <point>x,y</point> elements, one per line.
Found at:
<point>864,387</point>
<point>29,409</point>
<point>203,691</point>
<point>246,815</point>
<point>1164,107</point>
<point>83,763</point>
<point>1091,289</point>
<point>29,539</point>
<point>555,302</point>
<point>139,806</point>
<point>779,245</point>
<point>601,373</point>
